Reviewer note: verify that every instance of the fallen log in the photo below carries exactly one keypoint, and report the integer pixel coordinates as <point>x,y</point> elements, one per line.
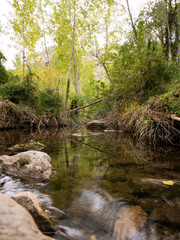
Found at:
<point>77,109</point>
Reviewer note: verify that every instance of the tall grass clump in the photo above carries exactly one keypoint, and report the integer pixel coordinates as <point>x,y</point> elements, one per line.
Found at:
<point>153,122</point>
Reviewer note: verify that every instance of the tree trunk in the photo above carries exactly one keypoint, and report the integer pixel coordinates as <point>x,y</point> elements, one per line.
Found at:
<point>70,64</point>
<point>176,33</point>
<point>76,79</point>
<point>106,70</point>
<point>131,19</point>
<point>46,51</point>
<point>169,22</point>
<point>79,108</point>
<point>23,29</point>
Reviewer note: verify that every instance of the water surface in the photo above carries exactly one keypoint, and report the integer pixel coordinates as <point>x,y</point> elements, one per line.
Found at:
<point>106,185</point>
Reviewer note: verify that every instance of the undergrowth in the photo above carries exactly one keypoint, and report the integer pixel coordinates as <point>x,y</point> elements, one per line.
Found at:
<point>153,122</point>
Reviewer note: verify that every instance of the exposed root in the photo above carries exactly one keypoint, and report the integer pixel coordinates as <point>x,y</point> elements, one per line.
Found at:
<point>15,116</point>
<point>151,126</point>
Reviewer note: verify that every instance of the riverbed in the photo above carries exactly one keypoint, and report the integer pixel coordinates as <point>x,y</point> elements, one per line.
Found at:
<point>106,186</point>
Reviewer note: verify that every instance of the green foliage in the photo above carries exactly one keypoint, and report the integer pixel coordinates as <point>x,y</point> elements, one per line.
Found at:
<point>102,109</point>
<point>128,73</point>
<point>13,78</point>
<point>49,100</point>
<point>23,92</point>
<point>3,72</point>
<point>161,18</point>
<point>76,100</point>
<point>171,100</point>
<point>24,22</point>
<point>139,73</point>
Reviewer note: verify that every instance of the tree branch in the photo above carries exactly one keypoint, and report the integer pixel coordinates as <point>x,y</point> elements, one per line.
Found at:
<point>175,118</point>
<point>77,109</point>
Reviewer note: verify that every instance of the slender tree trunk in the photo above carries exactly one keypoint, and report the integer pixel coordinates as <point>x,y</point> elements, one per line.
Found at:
<point>169,22</point>
<point>76,78</point>
<point>23,29</point>
<point>104,66</point>
<point>62,87</point>
<point>46,51</point>
<point>69,75</point>
<point>177,47</point>
<point>107,36</point>
<point>107,72</point>
<point>70,64</point>
<point>131,19</point>
<point>169,43</point>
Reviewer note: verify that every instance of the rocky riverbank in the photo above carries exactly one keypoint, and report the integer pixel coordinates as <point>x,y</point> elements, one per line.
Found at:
<point>16,223</point>
<point>33,165</point>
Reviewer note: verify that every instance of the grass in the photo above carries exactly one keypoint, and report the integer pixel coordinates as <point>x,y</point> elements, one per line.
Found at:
<point>152,122</point>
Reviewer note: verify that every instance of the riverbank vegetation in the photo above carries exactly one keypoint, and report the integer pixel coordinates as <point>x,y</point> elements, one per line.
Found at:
<point>74,53</point>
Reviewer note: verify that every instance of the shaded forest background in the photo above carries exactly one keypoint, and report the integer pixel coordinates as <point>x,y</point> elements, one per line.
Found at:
<point>76,52</point>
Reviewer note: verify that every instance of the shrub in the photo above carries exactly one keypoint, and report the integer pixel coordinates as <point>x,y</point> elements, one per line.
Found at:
<point>138,75</point>
<point>171,100</point>
<point>19,92</point>
<point>49,100</point>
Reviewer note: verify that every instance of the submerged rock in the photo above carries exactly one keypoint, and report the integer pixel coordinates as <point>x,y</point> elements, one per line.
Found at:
<point>32,204</point>
<point>97,125</point>
<point>100,210</point>
<point>16,223</point>
<point>30,164</point>
<point>130,220</point>
<point>32,145</point>
<point>167,212</point>
<point>158,230</point>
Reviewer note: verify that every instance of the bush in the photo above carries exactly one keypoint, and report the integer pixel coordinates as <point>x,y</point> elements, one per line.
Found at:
<point>171,100</point>
<point>49,100</point>
<point>138,75</point>
<point>19,92</point>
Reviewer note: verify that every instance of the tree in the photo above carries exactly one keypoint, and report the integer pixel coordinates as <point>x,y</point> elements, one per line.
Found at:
<point>162,21</point>
<point>110,30</point>
<point>3,73</point>
<point>71,27</point>
<point>25,25</point>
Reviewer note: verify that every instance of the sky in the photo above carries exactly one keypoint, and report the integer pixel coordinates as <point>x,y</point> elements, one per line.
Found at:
<point>7,46</point>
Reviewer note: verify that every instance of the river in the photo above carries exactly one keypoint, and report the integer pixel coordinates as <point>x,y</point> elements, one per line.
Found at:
<point>106,186</point>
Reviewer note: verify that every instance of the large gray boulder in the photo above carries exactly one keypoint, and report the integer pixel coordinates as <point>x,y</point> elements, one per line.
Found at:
<point>32,204</point>
<point>16,223</point>
<point>27,165</point>
<point>97,125</point>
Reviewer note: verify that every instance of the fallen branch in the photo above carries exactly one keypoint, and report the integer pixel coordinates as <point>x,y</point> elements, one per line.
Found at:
<point>77,109</point>
<point>173,117</point>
